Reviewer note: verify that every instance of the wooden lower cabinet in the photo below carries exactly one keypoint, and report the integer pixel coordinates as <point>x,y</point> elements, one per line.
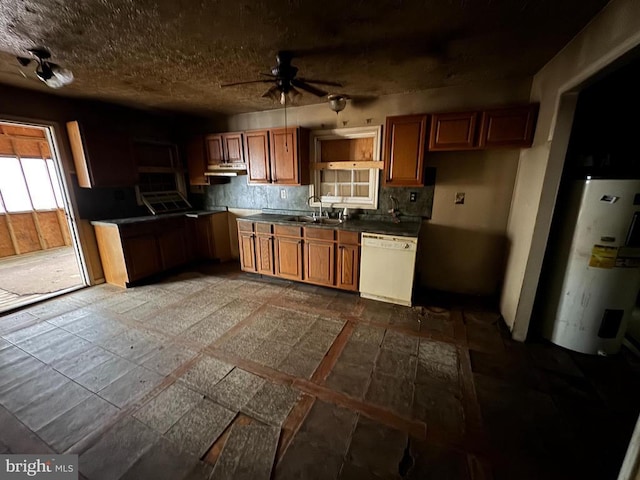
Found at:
<point>321,256</point>
<point>288,255</point>
<point>264,254</point>
<point>348,267</point>
<point>348,261</point>
<point>141,256</point>
<point>173,247</point>
<point>320,259</point>
<point>247,251</point>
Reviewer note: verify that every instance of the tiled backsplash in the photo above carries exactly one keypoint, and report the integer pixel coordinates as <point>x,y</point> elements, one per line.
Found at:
<point>238,194</point>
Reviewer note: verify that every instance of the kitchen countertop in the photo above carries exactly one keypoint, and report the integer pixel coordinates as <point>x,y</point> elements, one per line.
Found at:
<point>151,218</point>
<point>403,229</point>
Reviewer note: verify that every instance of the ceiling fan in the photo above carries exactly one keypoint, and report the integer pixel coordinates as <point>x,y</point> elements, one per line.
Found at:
<point>283,75</point>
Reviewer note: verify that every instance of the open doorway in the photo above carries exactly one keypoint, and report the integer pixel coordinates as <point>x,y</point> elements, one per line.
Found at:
<point>39,251</point>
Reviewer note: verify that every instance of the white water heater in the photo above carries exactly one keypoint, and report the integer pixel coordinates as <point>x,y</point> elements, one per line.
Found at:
<point>594,275</point>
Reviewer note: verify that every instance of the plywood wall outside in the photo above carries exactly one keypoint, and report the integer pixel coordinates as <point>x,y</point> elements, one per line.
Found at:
<point>50,229</point>
<point>26,234</point>
<point>6,244</point>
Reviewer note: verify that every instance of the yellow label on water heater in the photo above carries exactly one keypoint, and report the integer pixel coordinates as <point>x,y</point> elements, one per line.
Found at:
<point>603,256</point>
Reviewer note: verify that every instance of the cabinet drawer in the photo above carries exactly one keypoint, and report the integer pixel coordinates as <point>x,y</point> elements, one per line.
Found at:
<point>348,238</point>
<point>264,228</point>
<point>320,233</point>
<point>287,231</point>
<point>245,226</point>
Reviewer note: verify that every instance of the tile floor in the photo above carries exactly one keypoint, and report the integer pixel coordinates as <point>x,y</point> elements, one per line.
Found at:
<point>217,374</point>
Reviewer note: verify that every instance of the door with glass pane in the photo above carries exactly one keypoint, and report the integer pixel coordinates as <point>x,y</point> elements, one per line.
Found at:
<point>35,240</point>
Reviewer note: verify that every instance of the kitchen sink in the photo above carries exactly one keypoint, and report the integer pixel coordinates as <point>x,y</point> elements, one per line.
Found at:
<point>329,221</point>
<point>302,218</point>
<point>321,221</point>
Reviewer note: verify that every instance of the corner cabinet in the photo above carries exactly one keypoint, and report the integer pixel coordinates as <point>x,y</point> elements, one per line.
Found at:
<point>404,150</point>
<point>278,156</point>
<point>102,158</point>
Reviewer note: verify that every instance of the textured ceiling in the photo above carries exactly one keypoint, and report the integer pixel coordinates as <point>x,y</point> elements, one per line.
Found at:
<point>174,54</point>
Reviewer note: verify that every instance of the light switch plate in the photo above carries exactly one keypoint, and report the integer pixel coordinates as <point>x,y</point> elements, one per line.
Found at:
<point>283,194</point>
<point>459,198</point>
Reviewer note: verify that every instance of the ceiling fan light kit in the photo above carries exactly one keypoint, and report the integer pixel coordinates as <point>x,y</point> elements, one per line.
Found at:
<point>52,74</point>
<point>337,103</point>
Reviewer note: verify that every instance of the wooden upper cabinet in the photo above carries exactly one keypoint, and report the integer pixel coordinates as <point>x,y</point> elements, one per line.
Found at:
<point>215,149</point>
<point>289,148</point>
<point>224,148</point>
<point>257,149</point>
<point>102,158</point>
<point>233,149</point>
<point>508,127</point>
<point>404,150</point>
<point>453,131</point>
<point>197,161</point>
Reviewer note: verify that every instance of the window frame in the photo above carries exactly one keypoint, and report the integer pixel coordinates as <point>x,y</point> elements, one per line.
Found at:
<point>316,139</point>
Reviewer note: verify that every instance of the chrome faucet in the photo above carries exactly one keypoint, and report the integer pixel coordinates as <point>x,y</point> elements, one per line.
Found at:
<point>394,209</point>
<point>314,197</point>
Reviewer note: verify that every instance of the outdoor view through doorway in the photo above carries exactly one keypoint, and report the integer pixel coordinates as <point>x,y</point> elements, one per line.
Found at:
<point>37,252</point>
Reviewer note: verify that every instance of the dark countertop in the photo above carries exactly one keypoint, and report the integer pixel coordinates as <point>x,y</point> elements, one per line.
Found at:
<point>151,218</point>
<point>403,229</point>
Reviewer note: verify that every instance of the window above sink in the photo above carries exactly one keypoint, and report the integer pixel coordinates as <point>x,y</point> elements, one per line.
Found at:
<point>345,167</point>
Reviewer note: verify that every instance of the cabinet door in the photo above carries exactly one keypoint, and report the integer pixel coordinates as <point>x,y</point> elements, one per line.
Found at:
<point>453,131</point>
<point>508,127</point>
<point>141,256</point>
<point>257,149</point>
<point>215,149</point>
<point>348,267</point>
<point>173,247</point>
<point>319,262</point>
<point>233,149</point>
<point>197,161</point>
<point>284,156</point>
<point>264,254</point>
<point>288,253</point>
<point>247,251</point>
<point>202,239</point>
<point>404,150</point>
<point>102,158</point>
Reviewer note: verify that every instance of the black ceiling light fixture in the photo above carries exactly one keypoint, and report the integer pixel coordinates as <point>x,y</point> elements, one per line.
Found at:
<point>52,74</point>
<point>287,85</point>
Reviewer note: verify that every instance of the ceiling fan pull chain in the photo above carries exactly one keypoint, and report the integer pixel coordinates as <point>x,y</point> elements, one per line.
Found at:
<point>286,137</point>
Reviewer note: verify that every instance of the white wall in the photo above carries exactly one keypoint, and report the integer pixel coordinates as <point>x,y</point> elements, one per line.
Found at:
<point>462,247</point>
<point>465,245</point>
<point>609,35</point>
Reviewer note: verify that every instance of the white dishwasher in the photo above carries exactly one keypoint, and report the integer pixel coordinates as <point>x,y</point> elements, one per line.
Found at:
<point>387,266</point>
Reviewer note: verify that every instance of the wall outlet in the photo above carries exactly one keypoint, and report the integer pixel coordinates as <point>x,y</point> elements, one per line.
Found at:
<point>459,198</point>
<point>283,194</point>
<point>413,196</point>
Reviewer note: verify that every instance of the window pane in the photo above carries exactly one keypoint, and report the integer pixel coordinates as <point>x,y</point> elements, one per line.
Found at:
<point>12,186</point>
<point>56,182</point>
<point>35,171</point>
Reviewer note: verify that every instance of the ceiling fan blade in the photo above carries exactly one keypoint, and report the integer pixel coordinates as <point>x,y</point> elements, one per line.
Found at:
<point>244,83</point>
<point>321,82</point>
<point>269,75</point>
<point>273,93</point>
<point>296,82</point>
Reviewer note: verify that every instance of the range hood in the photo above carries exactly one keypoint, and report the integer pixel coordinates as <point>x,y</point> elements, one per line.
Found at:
<point>226,170</point>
